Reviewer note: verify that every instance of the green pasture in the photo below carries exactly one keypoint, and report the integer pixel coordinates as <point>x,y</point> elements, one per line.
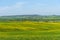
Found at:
<point>27,30</point>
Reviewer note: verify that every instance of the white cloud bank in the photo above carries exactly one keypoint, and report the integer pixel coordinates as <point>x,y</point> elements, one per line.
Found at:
<point>11,10</point>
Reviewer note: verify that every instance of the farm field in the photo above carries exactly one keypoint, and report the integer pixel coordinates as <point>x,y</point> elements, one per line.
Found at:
<point>29,30</point>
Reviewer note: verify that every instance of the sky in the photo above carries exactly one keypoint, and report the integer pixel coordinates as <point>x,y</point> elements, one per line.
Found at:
<point>29,7</point>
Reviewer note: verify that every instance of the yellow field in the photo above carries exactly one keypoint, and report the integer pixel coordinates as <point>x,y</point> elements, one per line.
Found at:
<point>29,30</point>
<point>27,25</point>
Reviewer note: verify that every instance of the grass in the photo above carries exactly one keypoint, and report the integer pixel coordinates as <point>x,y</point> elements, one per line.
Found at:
<point>28,30</point>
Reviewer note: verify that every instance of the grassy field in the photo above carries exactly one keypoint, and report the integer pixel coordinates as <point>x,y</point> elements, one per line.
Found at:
<point>28,30</point>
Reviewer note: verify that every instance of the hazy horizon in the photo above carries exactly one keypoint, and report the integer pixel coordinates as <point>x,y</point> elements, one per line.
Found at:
<point>29,7</point>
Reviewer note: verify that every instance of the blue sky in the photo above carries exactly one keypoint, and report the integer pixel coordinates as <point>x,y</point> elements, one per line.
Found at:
<point>27,7</point>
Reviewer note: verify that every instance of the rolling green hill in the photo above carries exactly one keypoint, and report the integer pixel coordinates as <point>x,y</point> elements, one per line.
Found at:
<point>30,27</point>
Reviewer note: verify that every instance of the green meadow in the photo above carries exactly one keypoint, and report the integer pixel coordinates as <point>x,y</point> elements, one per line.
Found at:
<point>29,30</point>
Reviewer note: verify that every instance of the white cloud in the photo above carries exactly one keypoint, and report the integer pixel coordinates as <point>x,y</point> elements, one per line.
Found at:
<point>11,9</point>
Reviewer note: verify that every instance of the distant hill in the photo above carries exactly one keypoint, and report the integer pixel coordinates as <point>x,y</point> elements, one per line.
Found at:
<point>30,18</point>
